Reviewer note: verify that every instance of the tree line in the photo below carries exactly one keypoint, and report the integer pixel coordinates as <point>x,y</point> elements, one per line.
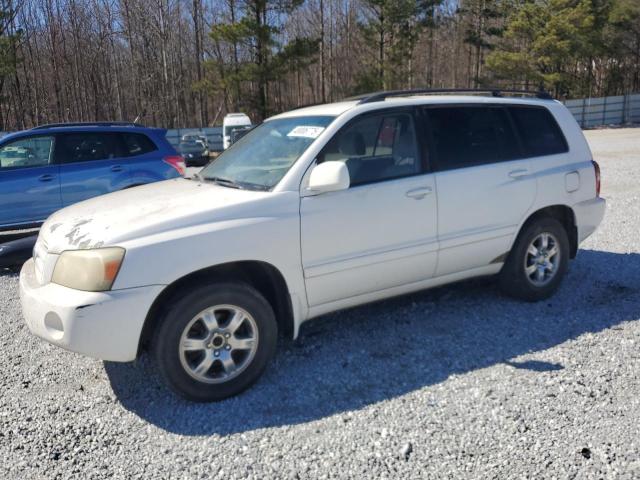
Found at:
<point>185,63</point>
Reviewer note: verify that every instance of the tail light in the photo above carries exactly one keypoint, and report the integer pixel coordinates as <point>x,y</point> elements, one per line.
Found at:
<point>176,162</point>
<point>596,167</point>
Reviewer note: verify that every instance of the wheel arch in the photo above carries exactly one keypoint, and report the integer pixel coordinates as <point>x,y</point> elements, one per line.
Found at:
<point>263,276</point>
<point>565,215</point>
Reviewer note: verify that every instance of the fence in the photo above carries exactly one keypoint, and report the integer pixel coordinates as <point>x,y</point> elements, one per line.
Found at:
<point>599,111</point>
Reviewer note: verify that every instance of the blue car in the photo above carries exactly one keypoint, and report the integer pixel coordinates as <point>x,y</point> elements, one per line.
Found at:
<point>52,166</point>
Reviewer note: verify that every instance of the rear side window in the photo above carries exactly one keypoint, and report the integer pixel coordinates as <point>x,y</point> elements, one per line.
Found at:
<point>471,136</point>
<point>86,147</point>
<point>137,144</point>
<point>539,131</point>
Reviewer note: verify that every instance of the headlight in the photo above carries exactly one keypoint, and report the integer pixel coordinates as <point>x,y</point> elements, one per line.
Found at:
<point>90,270</point>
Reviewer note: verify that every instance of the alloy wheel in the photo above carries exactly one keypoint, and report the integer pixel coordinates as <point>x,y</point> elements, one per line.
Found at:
<point>218,344</point>
<point>542,259</point>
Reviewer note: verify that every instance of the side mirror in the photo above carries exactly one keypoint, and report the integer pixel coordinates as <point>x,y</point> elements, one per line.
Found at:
<point>328,177</point>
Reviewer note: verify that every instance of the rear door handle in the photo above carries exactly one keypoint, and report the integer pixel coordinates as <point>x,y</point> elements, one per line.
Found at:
<point>116,168</point>
<point>419,193</point>
<point>519,173</point>
<point>46,177</point>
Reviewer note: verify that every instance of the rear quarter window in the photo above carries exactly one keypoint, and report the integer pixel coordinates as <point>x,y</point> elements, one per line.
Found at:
<point>137,144</point>
<point>539,131</point>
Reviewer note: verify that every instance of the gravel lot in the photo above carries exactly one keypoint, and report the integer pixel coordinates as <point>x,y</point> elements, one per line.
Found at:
<point>457,382</point>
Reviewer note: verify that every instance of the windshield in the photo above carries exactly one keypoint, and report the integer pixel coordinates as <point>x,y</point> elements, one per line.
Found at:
<point>261,158</point>
<point>230,129</point>
<point>191,147</point>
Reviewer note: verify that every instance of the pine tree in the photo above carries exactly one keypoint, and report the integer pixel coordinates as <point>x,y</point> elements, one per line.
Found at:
<point>393,27</point>
<point>559,43</point>
<point>482,28</point>
<point>267,60</point>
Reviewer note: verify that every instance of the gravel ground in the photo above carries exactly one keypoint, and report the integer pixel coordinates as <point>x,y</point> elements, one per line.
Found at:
<point>457,382</point>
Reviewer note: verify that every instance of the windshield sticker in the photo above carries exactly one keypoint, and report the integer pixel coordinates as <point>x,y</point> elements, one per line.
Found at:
<point>307,132</point>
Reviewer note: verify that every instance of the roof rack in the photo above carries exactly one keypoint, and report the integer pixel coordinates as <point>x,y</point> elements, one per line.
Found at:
<point>494,92</point>
<point>88,124</point>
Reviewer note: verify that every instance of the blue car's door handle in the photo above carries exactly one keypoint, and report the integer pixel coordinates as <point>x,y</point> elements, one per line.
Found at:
<point>46,178</point>
<point>116,168</point>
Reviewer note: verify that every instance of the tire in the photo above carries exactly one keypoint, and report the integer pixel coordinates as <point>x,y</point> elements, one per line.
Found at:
<point>519,283</point>
<point>192,332</point>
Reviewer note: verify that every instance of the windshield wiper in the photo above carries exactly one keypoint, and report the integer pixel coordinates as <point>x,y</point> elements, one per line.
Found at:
<point>225,182</point>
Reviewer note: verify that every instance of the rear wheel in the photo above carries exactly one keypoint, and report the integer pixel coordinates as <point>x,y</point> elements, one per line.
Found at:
<point>538,261</point>
<point>215,341</point>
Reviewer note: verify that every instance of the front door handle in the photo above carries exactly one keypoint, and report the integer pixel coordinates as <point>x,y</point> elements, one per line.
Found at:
<point>46,177</point>
<point>116,168</point>
<point>519,173</point>
<point>419,193</point>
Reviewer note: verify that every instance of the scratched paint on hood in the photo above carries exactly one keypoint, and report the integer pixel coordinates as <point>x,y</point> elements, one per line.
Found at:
<point>141,211</point>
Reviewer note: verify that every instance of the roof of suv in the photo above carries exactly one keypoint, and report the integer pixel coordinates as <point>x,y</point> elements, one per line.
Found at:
<point>338,108</point>
<point>84,127</point>
<point>89,124</point>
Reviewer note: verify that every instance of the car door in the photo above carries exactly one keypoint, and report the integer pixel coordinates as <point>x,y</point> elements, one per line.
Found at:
<point>381,232</point>
<point>91,164</point>
<point>484,184</point>
<point>29,180</point>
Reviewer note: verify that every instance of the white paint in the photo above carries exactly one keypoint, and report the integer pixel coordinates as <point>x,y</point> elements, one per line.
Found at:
<point>328,177</point>
<point>367,238</point>
<point>334,249</point>
<point>572,181</point>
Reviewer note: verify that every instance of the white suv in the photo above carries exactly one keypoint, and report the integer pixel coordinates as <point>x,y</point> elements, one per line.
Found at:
<point>315,210</point>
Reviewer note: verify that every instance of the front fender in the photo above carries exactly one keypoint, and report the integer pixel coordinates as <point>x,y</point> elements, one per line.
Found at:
<point>163,258</point>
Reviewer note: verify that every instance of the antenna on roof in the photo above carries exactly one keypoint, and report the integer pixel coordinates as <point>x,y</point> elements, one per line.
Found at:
<point>140,116</point>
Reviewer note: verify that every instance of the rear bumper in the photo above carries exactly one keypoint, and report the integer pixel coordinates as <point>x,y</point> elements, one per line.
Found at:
<point>589,215</point>
<point>103,325</point>
<point>196,161</point>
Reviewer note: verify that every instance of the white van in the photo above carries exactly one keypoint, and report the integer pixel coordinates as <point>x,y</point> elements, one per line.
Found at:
<point>231,123</point>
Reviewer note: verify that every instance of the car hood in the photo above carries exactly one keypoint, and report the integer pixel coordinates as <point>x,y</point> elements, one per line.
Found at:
<point>137,212</point>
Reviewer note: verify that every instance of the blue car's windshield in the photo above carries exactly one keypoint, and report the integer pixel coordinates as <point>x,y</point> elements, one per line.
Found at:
<point>261,158</point>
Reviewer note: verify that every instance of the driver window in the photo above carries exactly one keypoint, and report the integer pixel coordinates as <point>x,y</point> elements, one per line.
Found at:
<point>376,148</point>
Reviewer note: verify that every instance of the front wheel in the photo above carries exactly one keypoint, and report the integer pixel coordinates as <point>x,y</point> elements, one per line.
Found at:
<point>215,341</point>
<point>538,261</point>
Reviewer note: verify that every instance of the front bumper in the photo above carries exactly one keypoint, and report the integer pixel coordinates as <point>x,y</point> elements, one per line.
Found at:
<point>589,215</point>
<point>103,325</point>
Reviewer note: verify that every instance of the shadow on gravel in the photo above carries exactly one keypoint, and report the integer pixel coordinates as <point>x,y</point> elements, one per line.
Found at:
<point>355,358</point>
<point>535,365</point>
